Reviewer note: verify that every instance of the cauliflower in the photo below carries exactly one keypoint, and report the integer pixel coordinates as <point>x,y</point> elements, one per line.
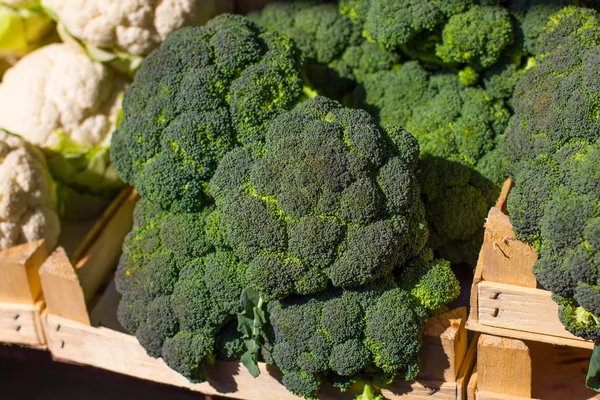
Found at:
<point>23,27</point>
<point>120,29</point>
<point>28,207</point>
<point>58,98</point>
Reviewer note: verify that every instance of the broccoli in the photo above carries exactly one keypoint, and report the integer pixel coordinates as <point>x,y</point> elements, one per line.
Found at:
<point>552,149</point>
<point>459,130</point>
<point>179,292</point>
<point>327,198</point>
<point>359,334</point>
<point>477,36</point>
<point>204,91</point>
<point>335,53</point>
<point>395,23</point>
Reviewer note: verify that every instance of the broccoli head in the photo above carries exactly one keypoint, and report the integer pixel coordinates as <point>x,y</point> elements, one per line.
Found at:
<point>327,198</point>
<point>179,292</point>
<point>204,91</point>
<point>459,130</point>
<point>553,151</point>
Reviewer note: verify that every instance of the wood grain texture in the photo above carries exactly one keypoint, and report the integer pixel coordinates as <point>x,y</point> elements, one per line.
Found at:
<point>21,324</point>
<point>466,369</point>
<point>62,291</point>
<point>505,258</point>
<point>19,279</point>
<point>523,309</point>
<point>504,366</point>
<point>102,256</point>
<point>472,386</point>
<point>557,372</point>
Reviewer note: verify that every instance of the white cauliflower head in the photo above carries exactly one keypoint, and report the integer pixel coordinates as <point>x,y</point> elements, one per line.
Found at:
<point>131,26</point>
<point>59,89</point>
<point>28,206</point>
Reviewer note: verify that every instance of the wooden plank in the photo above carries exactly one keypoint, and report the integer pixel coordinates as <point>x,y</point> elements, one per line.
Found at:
<point>19,280</point>
<point>503,197</point>
<point>505,258</point>
<point>523,309</point>
<point>466,369</point>
<point>95,231</point>
<point>504,366</point>
<point>524,335</point>
<point>101,257</point>
<point>472,386</point>
<point>21,324</point>
<point>444,346</point>
<point>558,373</point>
<point>62,291</point>
<point>105,348</point>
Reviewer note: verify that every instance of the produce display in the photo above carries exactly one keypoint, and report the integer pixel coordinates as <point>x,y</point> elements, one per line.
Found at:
<point>28,207</point>
<point>312,173</point>
<point>552,149</point>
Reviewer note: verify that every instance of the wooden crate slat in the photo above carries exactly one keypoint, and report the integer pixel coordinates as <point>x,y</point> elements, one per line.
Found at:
<point>523,309</point>
<point>74,342</point>
<point>516,369</point>
<point>21,324</point>
<point>19,279</point>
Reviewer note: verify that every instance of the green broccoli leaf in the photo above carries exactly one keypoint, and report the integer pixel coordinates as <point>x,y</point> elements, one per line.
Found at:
<point>250,324</point>
<point>593,376</point>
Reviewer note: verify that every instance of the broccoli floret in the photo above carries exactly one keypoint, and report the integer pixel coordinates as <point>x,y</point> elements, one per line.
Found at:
<point>348,333</point>
<point>335,53</point>
<point>328,198</point>
<point>432,282</point>
<point>180,293</point>
<point>476,37</point>
<point>395,23</point>
<point>459,130</point>
<point>200,94</point>
<point>577,320</point>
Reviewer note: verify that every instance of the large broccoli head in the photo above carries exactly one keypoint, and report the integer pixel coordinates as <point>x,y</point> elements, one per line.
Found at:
<point>459,130</point>
<point>553,151</point>
<point>328,198</point>
<point>201,93</point>
<point>180,293</point>
<point>362,334</point>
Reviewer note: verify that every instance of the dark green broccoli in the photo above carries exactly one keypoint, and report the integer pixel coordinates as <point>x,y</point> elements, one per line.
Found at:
<point>395,23</point>
<point>180,293</point>
<point>349,335</point>
<point>553,151</point>
<point>200,94</point>
<point>459,130</point>
<point>335,53</point>
<point>476,37</point>
<point>328,198</point>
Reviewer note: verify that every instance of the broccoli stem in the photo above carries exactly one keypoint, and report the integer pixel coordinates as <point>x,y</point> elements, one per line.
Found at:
<point>368,393</point>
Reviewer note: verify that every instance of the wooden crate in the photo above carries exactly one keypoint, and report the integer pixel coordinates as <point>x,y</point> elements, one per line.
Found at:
<point>81,327</point>
<point>505,296</point>
<point>524,351</point>
<point>513,369</point>
<point>21,299</point>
